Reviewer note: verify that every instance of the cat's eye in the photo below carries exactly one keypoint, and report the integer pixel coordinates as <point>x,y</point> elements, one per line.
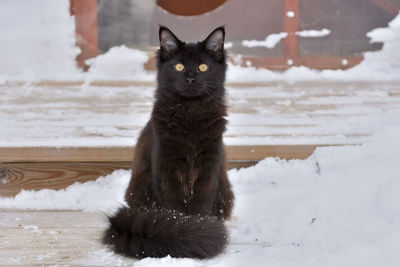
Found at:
<point>203,67</point>
<point>179,67</point>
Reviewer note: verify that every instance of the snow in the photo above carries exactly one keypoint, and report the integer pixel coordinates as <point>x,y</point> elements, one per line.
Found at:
<point>37,41</point>
<point>109,65</point>
<point>82,196</point>
<point>270,41</point>
<point>340,206</point>
<point>228,45</point>
<point>290,14</point>
<point>388,59</point>
<point>273,39</point>
<point>33,228</point>
<point>313,33</point>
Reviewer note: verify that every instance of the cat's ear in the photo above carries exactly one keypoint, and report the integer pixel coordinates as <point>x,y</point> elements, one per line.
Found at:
<point>169,43</point>
<point>214,43</point>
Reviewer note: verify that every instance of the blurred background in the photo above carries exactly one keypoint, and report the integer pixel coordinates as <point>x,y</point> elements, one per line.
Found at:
<point>339,27</point>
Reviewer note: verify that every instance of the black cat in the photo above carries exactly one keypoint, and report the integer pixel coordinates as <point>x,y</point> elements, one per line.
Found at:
<point>179,193</point>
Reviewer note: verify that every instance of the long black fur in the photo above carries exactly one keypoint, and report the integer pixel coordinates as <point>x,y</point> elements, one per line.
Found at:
<point>179,194</point>
<point>160,232</point>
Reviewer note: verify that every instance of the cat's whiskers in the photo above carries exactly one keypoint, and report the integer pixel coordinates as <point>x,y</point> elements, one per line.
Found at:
<point>206,90</point>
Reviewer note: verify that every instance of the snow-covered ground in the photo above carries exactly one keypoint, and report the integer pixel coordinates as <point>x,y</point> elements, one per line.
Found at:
<point>340,207</point>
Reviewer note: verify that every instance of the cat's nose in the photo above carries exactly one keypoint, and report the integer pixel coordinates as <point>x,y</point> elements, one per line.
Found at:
<point>190,80</point>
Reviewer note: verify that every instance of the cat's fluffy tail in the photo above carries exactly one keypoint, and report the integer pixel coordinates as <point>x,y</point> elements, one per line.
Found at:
<point>141,233</point>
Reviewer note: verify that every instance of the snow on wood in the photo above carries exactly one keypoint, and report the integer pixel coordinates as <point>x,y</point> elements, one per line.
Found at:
<point>273,114</point>
<point>341,201</point>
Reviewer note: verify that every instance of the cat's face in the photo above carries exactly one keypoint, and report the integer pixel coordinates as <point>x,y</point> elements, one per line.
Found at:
<point>191,70</point>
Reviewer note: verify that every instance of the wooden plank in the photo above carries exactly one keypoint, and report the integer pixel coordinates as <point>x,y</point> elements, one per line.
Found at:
<point>112,154</point>
<point>63,238</point>
<point>35,176</point>
<point>57,175</point>
<point>261,152</point>
<point>127,83</point>
<point>257,61</point>
<point>55,168</point>
<point>65,154</point>
<point>56,238</point>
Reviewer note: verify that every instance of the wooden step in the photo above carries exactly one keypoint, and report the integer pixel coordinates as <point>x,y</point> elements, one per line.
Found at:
<point>35,168</point>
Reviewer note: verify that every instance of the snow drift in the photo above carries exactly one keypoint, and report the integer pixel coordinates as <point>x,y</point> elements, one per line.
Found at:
<point>338,207</point>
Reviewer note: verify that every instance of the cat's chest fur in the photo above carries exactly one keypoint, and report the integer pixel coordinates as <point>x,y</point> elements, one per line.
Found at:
<point>188,146</point>
<point>189,123</point>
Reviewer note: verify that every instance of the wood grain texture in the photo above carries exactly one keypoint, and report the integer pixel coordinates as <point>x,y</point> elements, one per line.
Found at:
<point>35,168</point>
<point>261,152</point>
<point>57,175</point>
<point>35,176</point>
<point>118,154</point>
<point>65,154</point>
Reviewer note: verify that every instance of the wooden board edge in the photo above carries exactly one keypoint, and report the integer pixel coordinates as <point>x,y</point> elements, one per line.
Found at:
<point>56,168</point>
<point>125,153</point>
<point>58,175</point>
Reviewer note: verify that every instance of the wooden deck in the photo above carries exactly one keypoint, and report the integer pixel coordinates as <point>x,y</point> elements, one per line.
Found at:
<point>55,168</point>
<point>63,238</point>
<point>56,133</point>
<point>43,238</point>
